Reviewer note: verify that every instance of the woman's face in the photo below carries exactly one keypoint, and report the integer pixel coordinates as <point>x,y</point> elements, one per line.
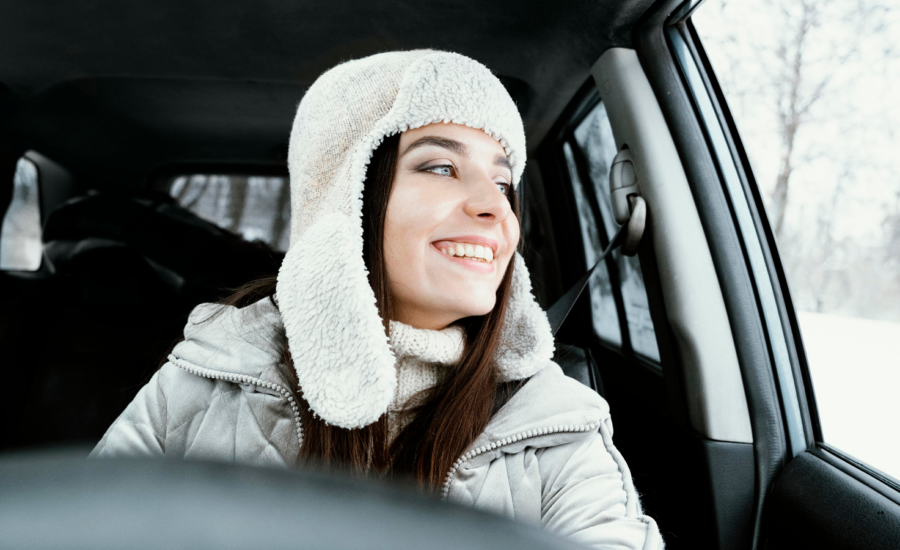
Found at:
<point>450,231</point>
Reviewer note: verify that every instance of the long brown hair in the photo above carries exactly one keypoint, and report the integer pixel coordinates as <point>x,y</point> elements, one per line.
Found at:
<point>452,415</point>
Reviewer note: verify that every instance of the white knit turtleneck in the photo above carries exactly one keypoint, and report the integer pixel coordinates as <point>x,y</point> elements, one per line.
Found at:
<point>422,359</point>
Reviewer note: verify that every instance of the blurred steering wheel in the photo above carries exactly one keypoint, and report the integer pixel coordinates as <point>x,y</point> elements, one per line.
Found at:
<point>61,500</point>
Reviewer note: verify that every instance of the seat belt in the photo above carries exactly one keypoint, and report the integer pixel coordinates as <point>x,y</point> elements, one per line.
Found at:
<point>624,193</point>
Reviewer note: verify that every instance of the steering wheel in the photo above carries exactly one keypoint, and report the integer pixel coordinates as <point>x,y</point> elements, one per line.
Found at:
<point>58,499</point>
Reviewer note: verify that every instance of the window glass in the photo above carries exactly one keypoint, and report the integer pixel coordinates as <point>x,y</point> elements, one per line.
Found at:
<point>603,305</point>
<point>595,139</point>
<point>20,239</point>
<point>256,207</point>
<point>812,87</point>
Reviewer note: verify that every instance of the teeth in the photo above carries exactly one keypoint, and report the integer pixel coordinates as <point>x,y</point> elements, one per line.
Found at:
<point>471,251</point>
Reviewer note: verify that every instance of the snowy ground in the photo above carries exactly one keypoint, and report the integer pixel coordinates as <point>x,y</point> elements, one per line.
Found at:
<point>855,367</point>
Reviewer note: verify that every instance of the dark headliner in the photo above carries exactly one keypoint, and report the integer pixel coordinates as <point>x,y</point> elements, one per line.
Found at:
<point>114,90</point>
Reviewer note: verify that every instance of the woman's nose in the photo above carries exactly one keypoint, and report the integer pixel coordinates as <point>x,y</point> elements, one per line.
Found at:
<point>486,202</point>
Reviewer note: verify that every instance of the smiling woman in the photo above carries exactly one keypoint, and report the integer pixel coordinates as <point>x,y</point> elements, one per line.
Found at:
<point>401,336</point>
<point>451,230</point>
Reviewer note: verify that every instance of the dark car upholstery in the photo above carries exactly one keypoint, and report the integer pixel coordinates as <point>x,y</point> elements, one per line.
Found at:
<point>122,273</point>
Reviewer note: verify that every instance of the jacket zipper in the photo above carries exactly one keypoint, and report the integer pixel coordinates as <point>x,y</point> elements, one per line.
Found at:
<point>244,379</point>
<point>508,440</point>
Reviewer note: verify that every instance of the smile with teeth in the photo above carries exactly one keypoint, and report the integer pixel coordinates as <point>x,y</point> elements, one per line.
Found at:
<point>468,251</point>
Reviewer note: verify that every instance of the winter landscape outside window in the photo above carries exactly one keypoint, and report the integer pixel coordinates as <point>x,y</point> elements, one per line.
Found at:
<point>20,237</point>
<point>812,86</point>
<point>255,207</point>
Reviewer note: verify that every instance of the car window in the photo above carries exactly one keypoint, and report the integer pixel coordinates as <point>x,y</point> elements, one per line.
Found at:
<point>603,305</point>
<point>256,207</point>
<point>618,291</point>
<point>812,87</point>
<point>20,239</point>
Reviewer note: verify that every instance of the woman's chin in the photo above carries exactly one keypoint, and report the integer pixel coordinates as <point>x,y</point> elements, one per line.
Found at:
<point>476,308</point>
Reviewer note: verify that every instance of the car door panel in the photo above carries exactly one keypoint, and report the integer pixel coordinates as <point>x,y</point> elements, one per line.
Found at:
<point>816,504</point>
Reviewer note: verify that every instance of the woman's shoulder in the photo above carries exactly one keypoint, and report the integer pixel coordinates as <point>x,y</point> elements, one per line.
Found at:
<point>232,344</point>
<point>552,391</point>
<point>549,401</point>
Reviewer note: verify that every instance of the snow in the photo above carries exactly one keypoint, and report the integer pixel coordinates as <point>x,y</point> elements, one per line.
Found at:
<point>855,369</point>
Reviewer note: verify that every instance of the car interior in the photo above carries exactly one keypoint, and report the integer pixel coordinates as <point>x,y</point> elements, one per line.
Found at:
<point>692,341</point>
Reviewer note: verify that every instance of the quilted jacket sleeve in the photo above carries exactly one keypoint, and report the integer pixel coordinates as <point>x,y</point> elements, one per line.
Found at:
<point>588,495</point>
<point>141,428</point>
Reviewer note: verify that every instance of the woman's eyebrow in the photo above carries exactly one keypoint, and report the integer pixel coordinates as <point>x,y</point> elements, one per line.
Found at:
<point>457,147</point>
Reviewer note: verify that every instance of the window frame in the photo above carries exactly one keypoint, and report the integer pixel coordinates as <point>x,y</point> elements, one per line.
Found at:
<point>570,242</point>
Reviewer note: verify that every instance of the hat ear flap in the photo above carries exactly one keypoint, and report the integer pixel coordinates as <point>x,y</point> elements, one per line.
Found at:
<point>345,367</point>
<point>526,342</point>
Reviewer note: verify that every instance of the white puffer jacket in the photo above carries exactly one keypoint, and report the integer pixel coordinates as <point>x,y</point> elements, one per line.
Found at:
<point>546,457</point>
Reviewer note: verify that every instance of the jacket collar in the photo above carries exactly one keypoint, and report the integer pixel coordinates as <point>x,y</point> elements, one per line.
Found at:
<point>248,342</point>
<point>236,341</point>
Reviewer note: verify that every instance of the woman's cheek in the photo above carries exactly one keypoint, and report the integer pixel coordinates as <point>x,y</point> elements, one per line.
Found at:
<point>512,238</point>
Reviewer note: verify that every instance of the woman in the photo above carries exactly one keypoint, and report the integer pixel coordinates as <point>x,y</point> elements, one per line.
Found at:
<point>401,336</point>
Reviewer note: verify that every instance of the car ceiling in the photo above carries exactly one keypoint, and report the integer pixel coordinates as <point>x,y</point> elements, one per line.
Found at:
<point>115,90</point>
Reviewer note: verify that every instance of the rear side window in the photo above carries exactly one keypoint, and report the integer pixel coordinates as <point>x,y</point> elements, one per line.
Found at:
<point>20,239</point>
<point>618,297</point>
<point>603,302</point>
<point>255,207</point>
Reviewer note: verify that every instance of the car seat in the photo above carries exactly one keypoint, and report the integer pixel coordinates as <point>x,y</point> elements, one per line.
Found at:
<point>577,362</point>
<point>124,272</point>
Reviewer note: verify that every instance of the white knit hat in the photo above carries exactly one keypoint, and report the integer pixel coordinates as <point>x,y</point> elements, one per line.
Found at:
<point>344,362</point>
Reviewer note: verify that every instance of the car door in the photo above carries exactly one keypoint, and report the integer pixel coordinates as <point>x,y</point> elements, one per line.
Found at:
<point>826,475</point>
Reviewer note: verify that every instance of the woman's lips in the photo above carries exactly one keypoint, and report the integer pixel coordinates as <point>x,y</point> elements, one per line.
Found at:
<point>480,265</point>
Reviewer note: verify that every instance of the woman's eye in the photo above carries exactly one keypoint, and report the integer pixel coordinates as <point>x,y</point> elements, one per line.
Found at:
<point>503,187</point>
<point>442,170</point>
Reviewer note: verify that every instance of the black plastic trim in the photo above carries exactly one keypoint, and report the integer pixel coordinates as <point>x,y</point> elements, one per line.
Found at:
<point>729,465</point>
<point>815,503</point>
<point>871,476</point>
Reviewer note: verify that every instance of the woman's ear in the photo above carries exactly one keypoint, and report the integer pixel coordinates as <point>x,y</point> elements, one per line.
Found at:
<point>526,341</point>
<point>344,364</point>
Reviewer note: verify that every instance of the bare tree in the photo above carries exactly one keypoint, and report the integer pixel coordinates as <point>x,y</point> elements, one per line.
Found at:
<point>798,89</point>
<point>791,72</point>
